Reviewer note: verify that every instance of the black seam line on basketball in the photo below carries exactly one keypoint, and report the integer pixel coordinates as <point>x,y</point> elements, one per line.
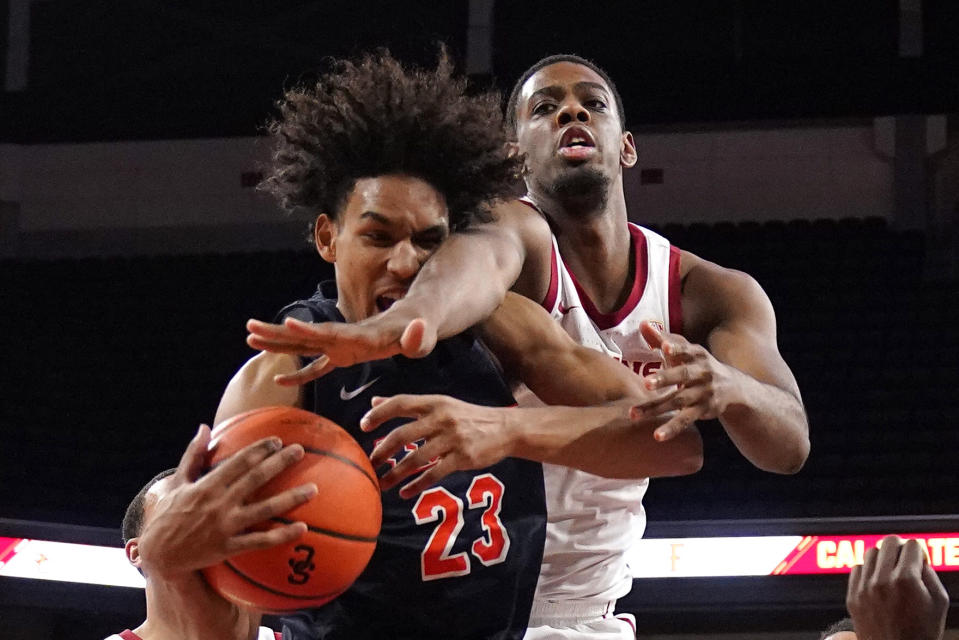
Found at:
<point>249,414</point>
<point>344,460</point>
<point>327,532</point>
<point>277,592</point>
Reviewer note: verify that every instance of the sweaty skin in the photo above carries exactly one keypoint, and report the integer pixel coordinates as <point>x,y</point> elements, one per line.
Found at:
<point>726,365</point>
<point>604,439</point>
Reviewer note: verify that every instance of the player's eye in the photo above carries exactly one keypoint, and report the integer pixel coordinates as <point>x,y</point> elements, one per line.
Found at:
<point>542,108</point>
<point>378,238</point>
<point>596,104</point>
<point>429,241</point>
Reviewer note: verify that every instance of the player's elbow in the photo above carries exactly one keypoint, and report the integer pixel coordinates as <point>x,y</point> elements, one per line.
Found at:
<point>687,457</point>
<point>790,460</point>
<point>797,458</point>
<point>692,462</point>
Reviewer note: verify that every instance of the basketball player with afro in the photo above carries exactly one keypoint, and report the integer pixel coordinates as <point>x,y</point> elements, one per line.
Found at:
<point>391,160</point>
<point>702,336</point>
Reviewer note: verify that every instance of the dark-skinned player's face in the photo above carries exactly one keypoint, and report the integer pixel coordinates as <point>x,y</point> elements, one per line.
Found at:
<point>387,228</point>
<point>567,124</point>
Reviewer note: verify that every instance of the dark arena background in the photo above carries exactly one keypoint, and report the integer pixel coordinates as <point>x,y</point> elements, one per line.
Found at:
<point>814,145</point>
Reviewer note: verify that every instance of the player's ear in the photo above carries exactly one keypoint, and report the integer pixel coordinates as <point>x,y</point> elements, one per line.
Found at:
<point>627,153</point>
<point>324,236</point>
<point>512,151</point>
<point>132,550</point>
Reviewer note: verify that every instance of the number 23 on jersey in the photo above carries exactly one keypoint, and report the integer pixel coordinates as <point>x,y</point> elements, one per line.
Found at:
<point>440,506</point>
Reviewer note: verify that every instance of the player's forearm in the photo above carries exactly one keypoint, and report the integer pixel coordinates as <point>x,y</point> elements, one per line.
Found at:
<point>768,425</point>
<point>603,441</point>
<point>461,285</point>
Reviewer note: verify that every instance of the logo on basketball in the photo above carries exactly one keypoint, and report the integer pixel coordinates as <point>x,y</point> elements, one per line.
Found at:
<point>303,566</point>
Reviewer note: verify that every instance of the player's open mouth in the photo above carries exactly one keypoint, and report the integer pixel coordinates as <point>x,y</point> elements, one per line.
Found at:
<point>577,144</point>
<point>385,301</point>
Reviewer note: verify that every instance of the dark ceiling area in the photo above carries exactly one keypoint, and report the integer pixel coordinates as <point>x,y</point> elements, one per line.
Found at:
<point>101,70</point>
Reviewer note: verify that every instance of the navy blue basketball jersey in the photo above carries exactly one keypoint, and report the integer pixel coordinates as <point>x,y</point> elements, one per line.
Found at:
<point>460,560</point>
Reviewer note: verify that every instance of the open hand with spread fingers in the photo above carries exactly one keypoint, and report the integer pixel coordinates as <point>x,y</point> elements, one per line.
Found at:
<point>696,384</point>
<point>339,344</point>
<point>200,520</point>
<point>458,436</point>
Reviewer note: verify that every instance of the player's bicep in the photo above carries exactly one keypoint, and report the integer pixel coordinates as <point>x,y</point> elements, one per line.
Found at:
<point>252,386</point>
<point>521,334</point>
<point>744,335</point>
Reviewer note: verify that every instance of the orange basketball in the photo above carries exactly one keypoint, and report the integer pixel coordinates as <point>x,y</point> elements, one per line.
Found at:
<point>343,518</point>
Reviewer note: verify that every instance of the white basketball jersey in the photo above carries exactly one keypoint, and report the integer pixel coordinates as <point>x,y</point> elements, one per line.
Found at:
<point>592,521</point>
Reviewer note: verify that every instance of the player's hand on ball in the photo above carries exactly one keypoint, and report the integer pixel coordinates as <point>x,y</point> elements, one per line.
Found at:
<point>201,520</point>
<point>340,344</point>
<point>694,382</point>
<point>895,594</point>
<point>458,436</point>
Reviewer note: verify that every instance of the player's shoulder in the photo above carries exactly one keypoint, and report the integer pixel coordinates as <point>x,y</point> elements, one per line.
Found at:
<point>709,276</point>
<point>522,216</point>
<point>651,235</point>
<point>713,294</point>
<point>320,307</point>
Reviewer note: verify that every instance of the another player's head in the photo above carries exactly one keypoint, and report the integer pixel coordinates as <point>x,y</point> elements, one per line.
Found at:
<point>842,630</point>
<point>567,118</point>
<point>390,159</point>
<point>139,511</point>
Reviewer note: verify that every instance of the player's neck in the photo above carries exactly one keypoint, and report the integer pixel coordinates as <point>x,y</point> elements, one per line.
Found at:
<point>597,249</point>
<point>194,611</point>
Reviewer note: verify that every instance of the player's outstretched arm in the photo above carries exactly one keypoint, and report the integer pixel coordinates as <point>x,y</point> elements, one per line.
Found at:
<point>458,287</point>
<point>895,594</point>
<point>730,368</point>
<point>602,440</point>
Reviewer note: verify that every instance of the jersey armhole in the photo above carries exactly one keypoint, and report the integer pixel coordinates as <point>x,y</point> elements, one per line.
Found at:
<point>551,292</point>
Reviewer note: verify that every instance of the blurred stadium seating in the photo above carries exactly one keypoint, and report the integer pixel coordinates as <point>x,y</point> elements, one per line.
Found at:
<point>127,355</point>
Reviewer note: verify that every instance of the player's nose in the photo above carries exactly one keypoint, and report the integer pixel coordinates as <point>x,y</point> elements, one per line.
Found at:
<point>405,261</point>
<point>571,110</point>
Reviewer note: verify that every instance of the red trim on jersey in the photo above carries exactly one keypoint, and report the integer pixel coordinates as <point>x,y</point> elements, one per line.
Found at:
<point>628,621</point>
<point>279,636</point>
<point>675,292</point>
<point>550,300</point>
<point>607,320</point>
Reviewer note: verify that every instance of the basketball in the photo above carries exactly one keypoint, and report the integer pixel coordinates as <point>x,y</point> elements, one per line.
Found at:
<point>343,519</point>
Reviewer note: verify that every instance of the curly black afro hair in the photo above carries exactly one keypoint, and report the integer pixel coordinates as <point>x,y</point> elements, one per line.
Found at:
<point>373,117</point>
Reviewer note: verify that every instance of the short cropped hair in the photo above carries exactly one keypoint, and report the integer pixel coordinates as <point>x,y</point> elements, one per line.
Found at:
<point>374,117</point>
<point>836,627</point>
<point>554,59</point>
<point>133,518</point>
